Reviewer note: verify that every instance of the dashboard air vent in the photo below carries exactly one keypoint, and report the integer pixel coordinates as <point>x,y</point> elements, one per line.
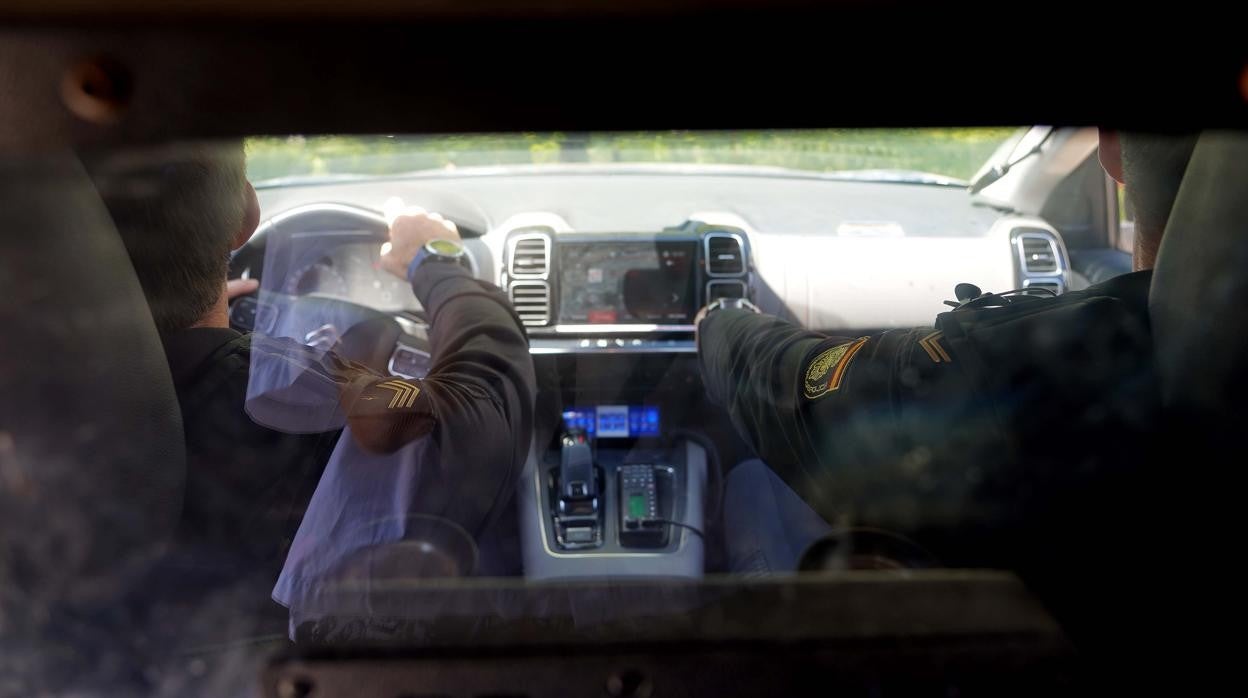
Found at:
<point>531,300</point>
<point>530,256</point>
<point>724,255</point>
<point>1039,254</point>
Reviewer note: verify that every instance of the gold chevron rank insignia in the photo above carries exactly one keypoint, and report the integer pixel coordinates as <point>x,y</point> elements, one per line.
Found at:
<point>828,368</point>
<point>404,393</point>
<point>935,352</point>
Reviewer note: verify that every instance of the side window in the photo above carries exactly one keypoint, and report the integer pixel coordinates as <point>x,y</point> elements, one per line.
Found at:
<point>1126,220</point>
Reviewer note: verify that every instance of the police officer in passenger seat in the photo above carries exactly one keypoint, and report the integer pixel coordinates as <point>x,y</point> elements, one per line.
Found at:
<point>985,436</point>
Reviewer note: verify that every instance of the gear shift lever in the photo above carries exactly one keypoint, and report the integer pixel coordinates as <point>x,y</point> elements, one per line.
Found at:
<point>576,468</point>
<point>577,516</point>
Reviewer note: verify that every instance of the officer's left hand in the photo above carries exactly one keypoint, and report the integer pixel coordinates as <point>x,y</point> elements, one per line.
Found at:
<point>739,303</point>
<point>706,310</point>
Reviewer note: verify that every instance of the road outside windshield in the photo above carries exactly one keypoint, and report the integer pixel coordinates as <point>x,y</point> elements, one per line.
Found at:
<point>954,153</point>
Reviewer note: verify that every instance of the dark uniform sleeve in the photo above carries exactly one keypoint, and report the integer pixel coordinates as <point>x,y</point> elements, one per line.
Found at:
<point>817,408</point>
<point>750,364</point>
<point>473,410</point>
<point>1014,437</point>
<point>477,400</point>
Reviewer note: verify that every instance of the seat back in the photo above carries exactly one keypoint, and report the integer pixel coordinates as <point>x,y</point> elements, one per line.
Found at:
<point>92,461</point>
<point>1200,331</point>
<point>1200,285</point>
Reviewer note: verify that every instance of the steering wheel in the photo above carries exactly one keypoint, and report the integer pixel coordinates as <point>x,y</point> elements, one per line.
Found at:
<point>387,342</point>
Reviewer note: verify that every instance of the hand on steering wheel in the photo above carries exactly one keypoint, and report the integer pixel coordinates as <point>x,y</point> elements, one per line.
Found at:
<point>356,332</point>
<point>409,232</point>
<point>235,288</point>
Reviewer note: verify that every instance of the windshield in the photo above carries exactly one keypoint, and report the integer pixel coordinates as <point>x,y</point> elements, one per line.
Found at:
<point>953,153</point>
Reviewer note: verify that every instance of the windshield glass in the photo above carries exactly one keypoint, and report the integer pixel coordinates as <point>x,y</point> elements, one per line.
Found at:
<point>955,153</point>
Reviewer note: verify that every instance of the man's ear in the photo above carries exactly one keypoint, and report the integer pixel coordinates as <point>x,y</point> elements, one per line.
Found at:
<point>1111,154</point>
<point>251,217</point>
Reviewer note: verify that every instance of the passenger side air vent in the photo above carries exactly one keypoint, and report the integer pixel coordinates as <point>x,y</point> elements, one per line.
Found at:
<point>531,300</point>
<point>725,254</point>
<point>530,256</point>
<point>1041,260</point>
<point>1038,253</point>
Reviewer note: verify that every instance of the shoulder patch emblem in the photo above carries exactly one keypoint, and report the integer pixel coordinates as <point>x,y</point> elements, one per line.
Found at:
<point>404,393</point>
<point>828,368</point>
<point>935,352</point>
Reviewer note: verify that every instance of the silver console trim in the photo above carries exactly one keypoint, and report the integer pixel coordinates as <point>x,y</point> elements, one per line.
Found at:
<point>611,345</point>
<point>399,346</point>
<point>541,517</point>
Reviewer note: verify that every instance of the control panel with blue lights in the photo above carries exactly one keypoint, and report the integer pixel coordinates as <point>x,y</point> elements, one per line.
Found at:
<point>615,421</point>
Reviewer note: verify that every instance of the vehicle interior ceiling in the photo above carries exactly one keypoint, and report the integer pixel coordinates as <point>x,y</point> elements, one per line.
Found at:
<point>194,75</point>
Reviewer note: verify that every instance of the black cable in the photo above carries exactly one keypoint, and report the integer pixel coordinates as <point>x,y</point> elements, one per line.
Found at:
<point>1005,298</point>
<point>693,529</point>
<point>1030,290</point>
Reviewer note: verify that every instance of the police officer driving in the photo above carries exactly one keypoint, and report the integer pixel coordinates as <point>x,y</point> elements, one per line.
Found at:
<point>258,450</point>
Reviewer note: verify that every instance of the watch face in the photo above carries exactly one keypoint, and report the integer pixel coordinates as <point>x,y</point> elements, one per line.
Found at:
<point>445,248</point>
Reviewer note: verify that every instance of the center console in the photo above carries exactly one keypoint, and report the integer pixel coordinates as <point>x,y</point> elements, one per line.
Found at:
<point>613,494</point>
<point>605,510</point>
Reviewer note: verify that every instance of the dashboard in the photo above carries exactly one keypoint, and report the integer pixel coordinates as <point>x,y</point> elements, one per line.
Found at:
<point>638,291</point>
<point>835,256</point>
<point>618,260</point>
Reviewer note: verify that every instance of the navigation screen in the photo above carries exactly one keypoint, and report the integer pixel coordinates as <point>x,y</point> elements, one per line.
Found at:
<point>618,283</point>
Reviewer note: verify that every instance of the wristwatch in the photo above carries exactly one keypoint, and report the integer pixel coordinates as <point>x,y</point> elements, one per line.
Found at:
<point>722,303</point>
<point>437,250</point>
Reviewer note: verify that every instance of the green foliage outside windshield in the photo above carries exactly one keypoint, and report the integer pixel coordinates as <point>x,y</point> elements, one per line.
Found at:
<point>955,152</point>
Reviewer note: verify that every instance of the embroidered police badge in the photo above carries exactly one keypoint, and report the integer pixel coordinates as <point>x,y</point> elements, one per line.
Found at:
<point>828,368</point>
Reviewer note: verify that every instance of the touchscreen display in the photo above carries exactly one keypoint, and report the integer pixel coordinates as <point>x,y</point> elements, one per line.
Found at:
<point>617,283</point>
